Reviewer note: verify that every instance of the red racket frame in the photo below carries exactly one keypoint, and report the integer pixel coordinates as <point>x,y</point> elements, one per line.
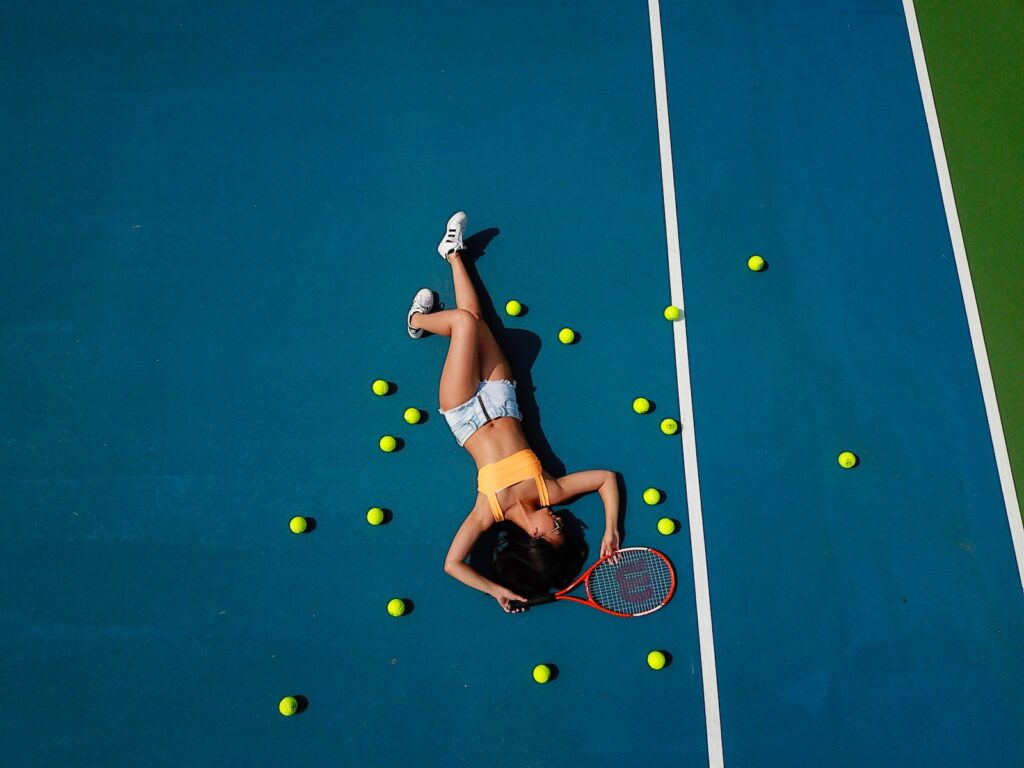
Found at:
<point>563,594</point>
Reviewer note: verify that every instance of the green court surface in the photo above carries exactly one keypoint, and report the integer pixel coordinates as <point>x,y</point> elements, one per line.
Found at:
<point>974,57</point>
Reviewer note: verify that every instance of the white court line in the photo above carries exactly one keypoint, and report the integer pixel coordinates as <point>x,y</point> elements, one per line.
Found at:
<point>988,389</point>
<point>709,674</point>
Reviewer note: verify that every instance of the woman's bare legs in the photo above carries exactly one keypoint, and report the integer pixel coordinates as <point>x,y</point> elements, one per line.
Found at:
<point>493,364</point>
<point>465,291</point>
<point>461,373</point>
<point>473,353</point>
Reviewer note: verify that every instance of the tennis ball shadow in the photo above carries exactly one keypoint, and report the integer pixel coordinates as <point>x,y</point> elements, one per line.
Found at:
<point>399,445</point>
<point>388,515</point>
<point>668,659</point>
<point>410,606</point>
<point>310,524</point>
<point>577,338</point>
<point>424,417</point>
<point>522,312</point>
<point>554,671</point>
<point>303,704</point>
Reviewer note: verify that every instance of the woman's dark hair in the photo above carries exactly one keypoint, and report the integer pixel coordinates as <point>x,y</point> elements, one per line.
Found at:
<point>533,566</point>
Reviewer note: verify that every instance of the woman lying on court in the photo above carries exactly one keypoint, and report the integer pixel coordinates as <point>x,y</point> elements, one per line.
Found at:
<point>478,399</point>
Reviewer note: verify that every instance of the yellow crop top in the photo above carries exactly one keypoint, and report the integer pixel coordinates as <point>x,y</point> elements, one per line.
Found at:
<point>509,471</point>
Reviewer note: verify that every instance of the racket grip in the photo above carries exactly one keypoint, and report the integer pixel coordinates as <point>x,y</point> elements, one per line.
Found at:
<point>538,600</point>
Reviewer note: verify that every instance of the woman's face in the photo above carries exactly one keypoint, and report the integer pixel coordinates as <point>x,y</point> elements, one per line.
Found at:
<point>544,524</point>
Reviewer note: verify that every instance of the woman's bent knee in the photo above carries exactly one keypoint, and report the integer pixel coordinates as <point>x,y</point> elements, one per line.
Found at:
<point>465,320</point>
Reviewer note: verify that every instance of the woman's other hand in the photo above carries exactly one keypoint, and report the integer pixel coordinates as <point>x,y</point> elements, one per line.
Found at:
<point>503,596</point>
<point>610,543</point>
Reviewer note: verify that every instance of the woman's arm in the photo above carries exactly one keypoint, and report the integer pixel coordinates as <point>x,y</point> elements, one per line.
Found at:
<point>476,522</point>
<point>606,483</point>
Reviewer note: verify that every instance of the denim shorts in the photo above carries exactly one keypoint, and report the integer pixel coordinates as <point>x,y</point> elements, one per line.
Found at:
<point>493,399</point>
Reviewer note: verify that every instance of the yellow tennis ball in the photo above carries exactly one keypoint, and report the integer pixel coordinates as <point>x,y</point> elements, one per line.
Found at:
<point>288,706</point>
<point>396,607</point>
<point>388,443</point>
<point>641,405</point>
<point>375,516</point>
<point>412,415</point>
<point>756,263</point>
<point>847,460</point>
<point>666,526</point>
<point>513,308</point>
<point>297,524</point>
<point>669,426</point>
<point>567,335</point>
<point>381,387</point>
<point>656,660</point>
<point>652,496</point>
<point>542,673</point>
<point>672,313</point>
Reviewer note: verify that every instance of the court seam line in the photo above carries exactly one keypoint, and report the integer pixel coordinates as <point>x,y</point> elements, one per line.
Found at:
<point>705,632</point>
<point>956,236</point>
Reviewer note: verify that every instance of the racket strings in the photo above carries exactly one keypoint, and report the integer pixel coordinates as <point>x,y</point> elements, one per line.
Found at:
<point>633,582</point>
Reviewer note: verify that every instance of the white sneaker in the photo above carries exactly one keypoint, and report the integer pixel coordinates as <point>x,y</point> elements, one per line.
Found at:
<point>453,235</point>
<point>423,302</point>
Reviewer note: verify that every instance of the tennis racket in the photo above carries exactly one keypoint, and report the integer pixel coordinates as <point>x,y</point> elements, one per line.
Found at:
<point>634,581</point>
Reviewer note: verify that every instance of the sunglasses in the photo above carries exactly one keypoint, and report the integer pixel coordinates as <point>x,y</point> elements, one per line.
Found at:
<point>559,525</point>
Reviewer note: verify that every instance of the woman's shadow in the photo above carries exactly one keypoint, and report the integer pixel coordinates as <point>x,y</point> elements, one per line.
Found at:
<point>521,347</point>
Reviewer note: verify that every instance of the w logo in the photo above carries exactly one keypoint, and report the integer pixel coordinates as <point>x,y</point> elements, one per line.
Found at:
<point>634,582</point>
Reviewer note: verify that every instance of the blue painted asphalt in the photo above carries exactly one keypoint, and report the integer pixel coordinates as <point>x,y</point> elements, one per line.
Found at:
<point>215,221</point>
<point>220,219</point>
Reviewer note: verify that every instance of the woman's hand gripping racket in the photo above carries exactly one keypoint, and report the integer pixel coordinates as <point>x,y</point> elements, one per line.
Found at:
<point>634,581</point>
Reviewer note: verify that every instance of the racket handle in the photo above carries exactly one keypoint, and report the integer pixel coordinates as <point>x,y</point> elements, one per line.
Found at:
<point>538,600</point>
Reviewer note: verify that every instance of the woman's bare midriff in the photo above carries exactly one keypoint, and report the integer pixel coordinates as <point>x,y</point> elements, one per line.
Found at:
<point>495,441</point>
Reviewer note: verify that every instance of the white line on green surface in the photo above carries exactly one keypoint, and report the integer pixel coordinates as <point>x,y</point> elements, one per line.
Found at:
<point>988,389</point>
